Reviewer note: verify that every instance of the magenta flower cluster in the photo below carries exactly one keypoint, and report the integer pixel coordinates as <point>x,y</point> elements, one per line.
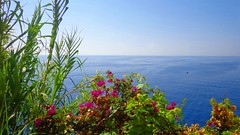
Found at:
<point>114,93</point>
<point>135,89</point>
<point>109,73</point>
<point>100,83</point>
<point>38,122</point>
<point>155,108</point>
<point>171,106</point>
<point>110,80</point>
<point>87,104</point>
<point>51,110</point>
<point>210,124</point>
<point>96,93</point>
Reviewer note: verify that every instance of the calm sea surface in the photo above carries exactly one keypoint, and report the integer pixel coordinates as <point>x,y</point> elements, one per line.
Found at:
<point>196,78</point>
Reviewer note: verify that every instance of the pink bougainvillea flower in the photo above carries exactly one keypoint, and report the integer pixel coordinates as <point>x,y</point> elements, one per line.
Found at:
<point>109,73</point>
<point>154,103</point>
<point>117,79</point>
<point>210,124</point>
<point>116,85</point>
<point>69,115</point>
<point>51,111</point>
<point>168,107</point>
<point>171,106</point>
<point>100,83</point>
<point>114,93</point>
<point>96,93</point>
<point>156,109</point>
<point>109,80</point>
<point>135,89</point>
<point>38,122</point>
<point>89,105</point>
<point>100,92</point>
<point>93,93</point>
<point>81,105</point>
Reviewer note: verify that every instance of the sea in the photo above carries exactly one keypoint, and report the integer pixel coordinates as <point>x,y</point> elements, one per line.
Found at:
<point>196,78</point>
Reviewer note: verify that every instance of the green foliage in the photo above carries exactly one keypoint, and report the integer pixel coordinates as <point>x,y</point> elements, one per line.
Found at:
<point>64,61</point>
<point>151,116</point>
<point>25,82</point>
<point>223,120</point>
<point>9,17</point>
<point>116,106</point>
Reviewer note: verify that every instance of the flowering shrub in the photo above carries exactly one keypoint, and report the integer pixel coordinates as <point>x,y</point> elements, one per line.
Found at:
<point>223,117</point>
<point>150,116</point>
<point>129,106</point>
<point>222,121</point>
<point>115,106</point>
<point>50,123</point>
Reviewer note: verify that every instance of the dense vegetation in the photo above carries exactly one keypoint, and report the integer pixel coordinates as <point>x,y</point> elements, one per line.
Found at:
<point>35,100</point>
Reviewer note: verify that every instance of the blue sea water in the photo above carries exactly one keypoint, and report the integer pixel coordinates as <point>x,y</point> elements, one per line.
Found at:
<point>196,78</point>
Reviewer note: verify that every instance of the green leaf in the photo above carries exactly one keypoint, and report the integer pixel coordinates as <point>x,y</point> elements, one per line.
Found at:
<point>140,86</point>
<point>55,116</point>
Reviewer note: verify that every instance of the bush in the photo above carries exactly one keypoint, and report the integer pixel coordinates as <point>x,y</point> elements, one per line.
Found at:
<point>222,121</point>
<point>115,106</point>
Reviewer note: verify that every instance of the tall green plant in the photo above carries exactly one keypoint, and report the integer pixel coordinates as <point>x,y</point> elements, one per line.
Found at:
<point>11,81</point>
<point>10,13</point>
<point>59,7</point>
<point>66,51</point>
<point>25,82</point>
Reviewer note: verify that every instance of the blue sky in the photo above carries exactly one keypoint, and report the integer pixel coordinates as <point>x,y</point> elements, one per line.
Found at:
<point>156,27</point>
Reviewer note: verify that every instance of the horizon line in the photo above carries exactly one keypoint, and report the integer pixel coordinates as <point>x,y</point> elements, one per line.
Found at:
<point>130,55</point>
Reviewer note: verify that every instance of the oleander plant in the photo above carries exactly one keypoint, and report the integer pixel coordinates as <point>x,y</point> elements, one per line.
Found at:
<point>36,100</point>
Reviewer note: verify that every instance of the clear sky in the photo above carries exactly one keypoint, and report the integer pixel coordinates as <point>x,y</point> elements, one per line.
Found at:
<point>156,27</point>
